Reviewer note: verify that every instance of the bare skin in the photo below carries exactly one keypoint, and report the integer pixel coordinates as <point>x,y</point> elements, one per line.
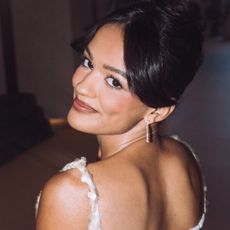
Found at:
<point>160,190</point>
<point>142,186</point>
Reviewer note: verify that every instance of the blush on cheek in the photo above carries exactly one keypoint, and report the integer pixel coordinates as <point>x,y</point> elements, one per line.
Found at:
<point>111,104</point>
<point>119,102</point>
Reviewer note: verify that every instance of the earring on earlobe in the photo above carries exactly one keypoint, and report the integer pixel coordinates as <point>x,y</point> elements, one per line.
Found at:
<point>148,130</point>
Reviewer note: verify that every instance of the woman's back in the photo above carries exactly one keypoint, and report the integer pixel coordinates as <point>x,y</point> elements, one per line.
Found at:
<point>160,190</point>
<point>150,190</point>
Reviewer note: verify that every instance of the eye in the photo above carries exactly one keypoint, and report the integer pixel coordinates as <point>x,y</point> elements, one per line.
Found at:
<point>86,63</point>
<point>113,82</point>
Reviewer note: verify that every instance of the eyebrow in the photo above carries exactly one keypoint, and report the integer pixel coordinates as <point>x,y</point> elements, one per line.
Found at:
<point>111,68</point>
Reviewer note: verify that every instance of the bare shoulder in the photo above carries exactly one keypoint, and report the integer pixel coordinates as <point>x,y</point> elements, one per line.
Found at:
<point>64,198</point>
<point>179,154</point>
<point>182,184</point>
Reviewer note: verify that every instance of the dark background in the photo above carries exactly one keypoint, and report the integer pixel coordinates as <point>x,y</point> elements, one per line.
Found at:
<point>42,32</point>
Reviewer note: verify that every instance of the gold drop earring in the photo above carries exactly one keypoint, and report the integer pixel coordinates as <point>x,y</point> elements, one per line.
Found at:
<point>148,122</point>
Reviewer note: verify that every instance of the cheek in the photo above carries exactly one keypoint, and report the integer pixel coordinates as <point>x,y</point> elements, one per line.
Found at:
<point>112,101</point>
<point>120,105</point>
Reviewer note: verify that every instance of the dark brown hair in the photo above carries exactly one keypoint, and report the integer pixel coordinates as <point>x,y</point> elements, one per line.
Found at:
<point>162,47</point>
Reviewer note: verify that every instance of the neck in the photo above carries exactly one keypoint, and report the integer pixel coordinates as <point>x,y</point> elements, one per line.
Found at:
<point>110,145</point>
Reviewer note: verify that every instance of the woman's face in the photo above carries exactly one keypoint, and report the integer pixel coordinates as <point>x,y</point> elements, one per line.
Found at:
<point>102,101</point>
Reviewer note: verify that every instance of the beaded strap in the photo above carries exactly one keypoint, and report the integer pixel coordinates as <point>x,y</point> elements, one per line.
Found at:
<point>94,223</point>
<point>201,222</point>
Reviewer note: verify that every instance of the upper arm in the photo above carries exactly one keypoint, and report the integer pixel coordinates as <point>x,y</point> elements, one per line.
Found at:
<point>63,204</point>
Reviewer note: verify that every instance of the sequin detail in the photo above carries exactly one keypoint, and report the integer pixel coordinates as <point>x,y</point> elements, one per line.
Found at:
<point>86,177</point>
<point>94,223</point>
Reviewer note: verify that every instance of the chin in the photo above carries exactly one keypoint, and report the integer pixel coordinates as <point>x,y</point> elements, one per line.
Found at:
<point>81,123</point>
<point>73,121</point>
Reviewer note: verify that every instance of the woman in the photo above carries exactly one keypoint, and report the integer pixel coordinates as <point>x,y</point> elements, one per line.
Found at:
<point>136,64</point>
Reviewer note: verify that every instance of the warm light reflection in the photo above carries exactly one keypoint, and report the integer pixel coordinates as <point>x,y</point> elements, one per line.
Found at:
<point>57,121</point>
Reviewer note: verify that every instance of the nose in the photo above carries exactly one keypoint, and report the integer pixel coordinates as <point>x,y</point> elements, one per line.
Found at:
<point>84,83</point>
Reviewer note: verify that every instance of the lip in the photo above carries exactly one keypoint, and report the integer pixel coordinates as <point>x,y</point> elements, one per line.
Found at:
<point>82,106</point>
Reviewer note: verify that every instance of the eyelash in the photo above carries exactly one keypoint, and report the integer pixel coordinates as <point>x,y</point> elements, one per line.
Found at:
<point>118,86</point>
<point>89,65</point>
<point>83,60</point>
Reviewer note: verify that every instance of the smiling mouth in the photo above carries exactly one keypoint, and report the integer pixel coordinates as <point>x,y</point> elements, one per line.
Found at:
<point>81,106</point>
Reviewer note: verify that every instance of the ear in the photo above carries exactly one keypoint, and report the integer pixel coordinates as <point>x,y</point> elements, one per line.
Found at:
<point>159,114</point>
<point>164,112</point>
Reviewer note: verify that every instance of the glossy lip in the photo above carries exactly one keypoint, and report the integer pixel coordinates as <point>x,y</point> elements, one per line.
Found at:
<point>82,106</point>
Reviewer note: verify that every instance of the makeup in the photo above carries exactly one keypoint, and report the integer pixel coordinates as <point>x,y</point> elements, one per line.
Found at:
<point>81,106</point>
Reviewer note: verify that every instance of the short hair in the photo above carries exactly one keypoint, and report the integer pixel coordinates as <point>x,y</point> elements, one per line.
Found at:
<point>162,47</point>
